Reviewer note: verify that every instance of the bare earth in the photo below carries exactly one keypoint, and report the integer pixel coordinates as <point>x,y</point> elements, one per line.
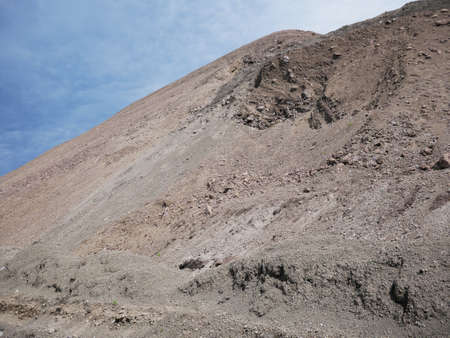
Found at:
<point>296,187</point>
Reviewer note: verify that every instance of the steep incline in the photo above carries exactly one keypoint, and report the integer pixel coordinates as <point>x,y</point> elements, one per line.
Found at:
<point>296,186</point>
<point>42,193</point>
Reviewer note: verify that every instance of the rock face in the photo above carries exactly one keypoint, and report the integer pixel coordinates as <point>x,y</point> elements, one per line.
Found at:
<point>283,190</point>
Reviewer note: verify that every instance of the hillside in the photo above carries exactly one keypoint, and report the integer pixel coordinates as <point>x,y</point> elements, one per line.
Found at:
<point>297,186</point>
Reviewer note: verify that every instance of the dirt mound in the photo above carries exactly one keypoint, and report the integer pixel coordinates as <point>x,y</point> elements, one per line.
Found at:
<point>389,287</point>
<point>297,186</point>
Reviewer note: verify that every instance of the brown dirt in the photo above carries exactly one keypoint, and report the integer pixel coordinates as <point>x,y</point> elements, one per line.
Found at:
<point>288,189</point>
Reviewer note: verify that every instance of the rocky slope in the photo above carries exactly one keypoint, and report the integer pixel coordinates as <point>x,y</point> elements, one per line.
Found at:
<point>297,186</point>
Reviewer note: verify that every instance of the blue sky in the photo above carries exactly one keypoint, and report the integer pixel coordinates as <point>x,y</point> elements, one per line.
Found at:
<point>66,66</point>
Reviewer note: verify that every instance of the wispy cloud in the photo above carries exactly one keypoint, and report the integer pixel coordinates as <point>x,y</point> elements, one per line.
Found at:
<point>66,66</point>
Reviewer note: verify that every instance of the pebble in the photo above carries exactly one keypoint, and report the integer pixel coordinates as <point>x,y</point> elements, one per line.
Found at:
<point>332,161</point>
<point>425,55</point>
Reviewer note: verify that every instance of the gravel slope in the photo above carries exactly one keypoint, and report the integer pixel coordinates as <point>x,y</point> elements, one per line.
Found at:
<point>297,186</point>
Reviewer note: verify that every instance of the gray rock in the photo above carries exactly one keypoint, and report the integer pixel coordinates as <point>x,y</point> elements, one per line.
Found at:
<point>443,163</point>
<point>426,151</point>
<point>285,60</point>
<point>443,22</point>
<point>332,161</point>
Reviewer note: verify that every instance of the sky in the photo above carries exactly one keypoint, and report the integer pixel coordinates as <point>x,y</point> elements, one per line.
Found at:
<point>66,66</point>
